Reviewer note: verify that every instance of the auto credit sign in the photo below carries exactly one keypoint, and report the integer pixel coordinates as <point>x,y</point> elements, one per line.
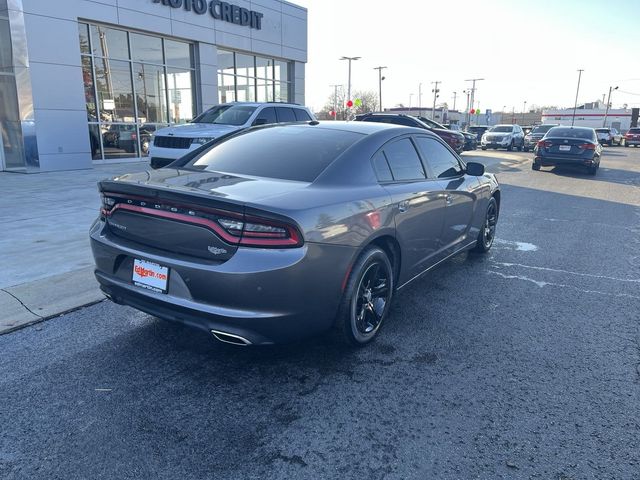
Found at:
<point>226,12</point>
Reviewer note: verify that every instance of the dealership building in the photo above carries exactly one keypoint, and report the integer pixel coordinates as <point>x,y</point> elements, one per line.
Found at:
<point>85,82</point>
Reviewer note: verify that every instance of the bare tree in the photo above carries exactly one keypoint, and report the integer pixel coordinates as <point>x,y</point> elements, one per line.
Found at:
<point>368,102</point>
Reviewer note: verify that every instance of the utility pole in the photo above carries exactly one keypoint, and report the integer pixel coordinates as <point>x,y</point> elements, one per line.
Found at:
<point>466,113</point>
<point>435,96</point>
<point>524,109</point>
<point>335,100</point>
<point>575,104</point>
<point>454,100</point>
<point>410,98</point>
<point>606,112</point>
<point>380,78</point>
<point>420,99</point>
<point>473,88</point>
<point>349,59</point>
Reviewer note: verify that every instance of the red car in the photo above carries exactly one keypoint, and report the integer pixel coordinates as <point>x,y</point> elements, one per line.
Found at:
<point>632,137</point>
<point>454,139</point>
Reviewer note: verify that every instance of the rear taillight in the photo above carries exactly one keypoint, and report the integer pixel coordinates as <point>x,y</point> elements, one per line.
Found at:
<point>588,146</point>
<point>544,144</point>
<point>261,232</point>
<point>234,228</point>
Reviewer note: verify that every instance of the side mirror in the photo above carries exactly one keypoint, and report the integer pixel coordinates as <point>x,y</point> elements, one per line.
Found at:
<point>476,169</point>
<point>260,121</point>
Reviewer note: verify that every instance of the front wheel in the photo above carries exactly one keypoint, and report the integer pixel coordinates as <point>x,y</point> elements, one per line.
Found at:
<point>483,147</point>
<point>488,230</point>
<point>366,299</point>
<point>510,147</point>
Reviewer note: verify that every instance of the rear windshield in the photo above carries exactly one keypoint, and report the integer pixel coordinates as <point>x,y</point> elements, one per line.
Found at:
<point>602,130</point>
<point>287,153</point>
<point>634,130</point>
<point>567,132</point>
<point>542,129</point>
<point>502,129</point>
<point>226,115</point>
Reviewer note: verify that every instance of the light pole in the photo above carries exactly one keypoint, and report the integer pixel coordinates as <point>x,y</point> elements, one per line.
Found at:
<point>335,100</point>
<point>349,59</point>
<point>455,94</point>
<point>410,97</point>
<point>575,104</point>
<point>435,96</point>
<point>420,99</point>
<point>466,113</point>
<point>380,78</point>
<point>473,88</point>
<point>606,112</point>
<point>524,109</point>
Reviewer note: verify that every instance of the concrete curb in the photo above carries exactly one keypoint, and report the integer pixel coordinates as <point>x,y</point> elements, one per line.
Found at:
<point>33,302</point>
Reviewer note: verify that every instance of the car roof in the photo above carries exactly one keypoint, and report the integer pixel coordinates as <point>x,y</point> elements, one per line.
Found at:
<point>365,128</point>
<point>259,104</point>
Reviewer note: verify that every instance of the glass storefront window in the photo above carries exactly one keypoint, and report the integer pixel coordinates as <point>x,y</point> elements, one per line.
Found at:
<point>89,89</point>
<point>246,78</point>
<point>245,89</point>
<point>244,65</point>
<point>179,84</point>
<point>265,90</point>
<point>83,33</point>
<point>178,54</point>
<point>151,92</point>
<point>129,99</point>
<point>145,48</point>
<point>264,68</point>
<point>109,42</point>
<point>115,91</point>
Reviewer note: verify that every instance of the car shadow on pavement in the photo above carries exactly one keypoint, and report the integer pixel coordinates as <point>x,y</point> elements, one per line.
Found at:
<point>604,174</point>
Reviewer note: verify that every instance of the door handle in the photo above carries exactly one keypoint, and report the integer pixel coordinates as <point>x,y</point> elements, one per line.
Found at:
<point>402,206</point>
<point>448,199</point>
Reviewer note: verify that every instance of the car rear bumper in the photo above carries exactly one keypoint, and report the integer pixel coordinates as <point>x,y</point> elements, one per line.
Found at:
<point>262,295</point>
<point>632,142</point>
<point>555,160</point>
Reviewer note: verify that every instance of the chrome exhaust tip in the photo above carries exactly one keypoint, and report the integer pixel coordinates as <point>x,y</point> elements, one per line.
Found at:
<point>230,338</point>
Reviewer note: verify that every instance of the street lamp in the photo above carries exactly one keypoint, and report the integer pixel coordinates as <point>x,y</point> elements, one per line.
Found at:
<point>524,109</point>
<point>435,91</point>
<point>410,97</point>
<point>349,59</point>
<point>575,105</point>
<point>606,112</point>
<point>380,78</point>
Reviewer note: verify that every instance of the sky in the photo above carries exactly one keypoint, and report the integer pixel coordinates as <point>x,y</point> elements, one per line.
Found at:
<point>525,50</point>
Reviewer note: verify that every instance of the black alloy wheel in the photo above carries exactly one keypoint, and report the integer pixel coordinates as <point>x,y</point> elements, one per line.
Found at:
<point>366,299</point>
<point>487,233</point>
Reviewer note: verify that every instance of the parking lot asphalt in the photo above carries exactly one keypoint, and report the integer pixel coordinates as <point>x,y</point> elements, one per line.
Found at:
<point>524,363</point>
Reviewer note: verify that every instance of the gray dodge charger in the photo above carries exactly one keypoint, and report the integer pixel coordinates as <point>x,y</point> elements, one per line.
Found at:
<point>282,232</point>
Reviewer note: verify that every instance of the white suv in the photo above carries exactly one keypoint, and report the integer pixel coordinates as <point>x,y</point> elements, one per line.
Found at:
<point>173,142</point>
<point>503,136</point>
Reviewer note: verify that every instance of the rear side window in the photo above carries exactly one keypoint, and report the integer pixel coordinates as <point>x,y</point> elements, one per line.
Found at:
<point>441,161</point>
<point>293,152</point>
<point>381,167</point>
<point>404,161</point>
<point>285,114</point>
<point>268,115</point>
<point>301,115</point>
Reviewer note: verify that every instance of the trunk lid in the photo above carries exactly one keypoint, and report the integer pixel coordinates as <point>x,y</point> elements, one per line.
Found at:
<point>566,146</point>
<point>187,212</point>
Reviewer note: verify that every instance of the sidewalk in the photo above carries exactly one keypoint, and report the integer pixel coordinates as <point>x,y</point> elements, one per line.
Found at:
<point>46,266</point>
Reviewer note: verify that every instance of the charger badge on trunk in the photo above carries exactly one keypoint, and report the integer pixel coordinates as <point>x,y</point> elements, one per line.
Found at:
<point>216,250</point>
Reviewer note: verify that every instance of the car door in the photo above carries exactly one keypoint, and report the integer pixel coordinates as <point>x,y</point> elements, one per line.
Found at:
<point>418,205</point>
<point>266,116</point>
<point>460,192</point>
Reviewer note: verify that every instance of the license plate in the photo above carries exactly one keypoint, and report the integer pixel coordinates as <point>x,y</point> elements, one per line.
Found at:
<point>150,275</point>
<point>565,148</point>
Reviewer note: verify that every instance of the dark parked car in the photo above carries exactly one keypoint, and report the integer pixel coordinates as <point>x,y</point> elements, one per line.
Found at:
<point>478,130</point>
<point>532,138</point>
<point>281,232</point>
<point>569,146</point>
<point>632,137</point>
<point>454,139</point>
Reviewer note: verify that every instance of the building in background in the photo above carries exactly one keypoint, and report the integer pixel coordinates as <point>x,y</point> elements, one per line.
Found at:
<point>85,82</point>
<point>593,115</point>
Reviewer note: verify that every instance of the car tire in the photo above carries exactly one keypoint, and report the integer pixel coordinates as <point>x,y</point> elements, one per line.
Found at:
<point>525,149</point>
<point>592,170</point>
<point>362,312</point>
<point>483,148</point>
<point>535,166</point>
<point>510,147</point>
<point>487,232</point>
